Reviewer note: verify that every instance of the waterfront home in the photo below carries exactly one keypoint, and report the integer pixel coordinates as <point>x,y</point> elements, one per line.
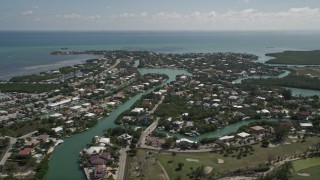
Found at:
<point>183,143</point>
<point>226,138</point>
<point>257,129</point>
<point>145,119</point>
<point>137,110</point>
<point>99,172</point>
<point>95,159</point>
<point>243,134</point>
<point>127,119</point>
<point>94,150</point>
<point>58,130</point>
<point>43,137</point>
<point>126,137</point>
<point>89,115</point>
<point>103,141</point>
<point>31,143</point>
<point>306,125</point>
<point>26,152</point>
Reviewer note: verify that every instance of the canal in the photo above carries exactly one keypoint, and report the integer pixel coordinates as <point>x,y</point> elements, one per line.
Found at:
<point>64,161</point>
<point>63,164</point>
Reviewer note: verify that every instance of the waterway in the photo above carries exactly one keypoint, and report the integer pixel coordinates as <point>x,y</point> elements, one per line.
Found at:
<point>64,160</point>
<point>231,128</point>
<point>63,164</point>
<point>284,74</point>
<point>295,91</point>
<point>303,92</point>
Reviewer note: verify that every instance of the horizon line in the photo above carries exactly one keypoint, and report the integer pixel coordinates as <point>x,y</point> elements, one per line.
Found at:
<point>227,30</point>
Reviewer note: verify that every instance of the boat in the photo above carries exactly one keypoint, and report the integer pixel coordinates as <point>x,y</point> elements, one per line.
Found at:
<point>60,141</point>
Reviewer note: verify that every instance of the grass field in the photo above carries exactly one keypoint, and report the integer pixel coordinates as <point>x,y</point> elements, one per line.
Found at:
<point>259,156</point>
<point>306,163</point>
<point>144,166</point>
<point>314,174</point>
<point>295,57</point>
<point>314,71</point>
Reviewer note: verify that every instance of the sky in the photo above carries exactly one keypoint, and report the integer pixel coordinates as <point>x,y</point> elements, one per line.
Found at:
<point>160,15</point>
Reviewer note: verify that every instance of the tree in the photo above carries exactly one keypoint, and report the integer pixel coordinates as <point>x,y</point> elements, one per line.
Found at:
<point>280,132</point>
<point>284,171</point>
<point>287,94</point>
<point>264,143</point>
<point>180,165</point>
<point>199,173</point>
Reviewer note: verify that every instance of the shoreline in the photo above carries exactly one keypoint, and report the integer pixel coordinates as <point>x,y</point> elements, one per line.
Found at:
<point>36,69</point>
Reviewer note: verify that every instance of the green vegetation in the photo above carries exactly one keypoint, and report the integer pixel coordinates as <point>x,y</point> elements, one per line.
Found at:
<point>312,172</point>
<point>20,128</point>
<point>257,159</point>
<point>28,88</point>
<point>282,172</point>
<point>4,144</point>
<point>34,78</point>
<point>313,71</point>
<point>295,57</point>
<point>295,81</point>
<point>306,163</point>
<point>144,165</point>
<point>42,168</point>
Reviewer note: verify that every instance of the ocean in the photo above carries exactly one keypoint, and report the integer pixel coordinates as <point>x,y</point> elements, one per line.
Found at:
<point>27,52</point>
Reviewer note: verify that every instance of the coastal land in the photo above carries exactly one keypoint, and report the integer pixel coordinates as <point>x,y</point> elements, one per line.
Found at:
<point>295,58</point>
<point>141,114</point>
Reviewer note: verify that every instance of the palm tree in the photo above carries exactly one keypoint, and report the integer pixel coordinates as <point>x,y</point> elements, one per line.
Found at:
<point>199,173</point>
<point>284,171</point>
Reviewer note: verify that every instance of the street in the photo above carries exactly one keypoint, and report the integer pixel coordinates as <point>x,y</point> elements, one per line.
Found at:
<point>12,142</point>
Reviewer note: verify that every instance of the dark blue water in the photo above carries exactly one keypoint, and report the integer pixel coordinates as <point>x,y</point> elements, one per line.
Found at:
<point>25,52</point>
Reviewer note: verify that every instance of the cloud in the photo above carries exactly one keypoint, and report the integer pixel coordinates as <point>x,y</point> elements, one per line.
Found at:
<point>93,17</point>
<point>293,18</point>
<point>68,16</point>
<point>27,13</point>
<point>132,15</point>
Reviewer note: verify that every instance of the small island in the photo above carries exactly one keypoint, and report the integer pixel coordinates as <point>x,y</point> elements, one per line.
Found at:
<point>295,57</point>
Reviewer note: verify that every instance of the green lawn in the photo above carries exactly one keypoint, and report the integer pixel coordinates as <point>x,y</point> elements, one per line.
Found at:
<point>259,156</point>
<point>312,171</point>
<point>144,166</point>
<point>306,163</point>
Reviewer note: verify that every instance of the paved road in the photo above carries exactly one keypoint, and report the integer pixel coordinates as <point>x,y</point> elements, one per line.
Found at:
<point>146,132</point>
<point>122,163</point>
<point>156,106</point>
<point>12,142</point>
<point>8,153</point>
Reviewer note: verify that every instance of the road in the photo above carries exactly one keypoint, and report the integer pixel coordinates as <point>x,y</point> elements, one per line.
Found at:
<point>156,106</point>
<point>146,132</point>
<point>12,142</point>
<point>122,163</point>
<point>123,151</point>
<point>8,153</point>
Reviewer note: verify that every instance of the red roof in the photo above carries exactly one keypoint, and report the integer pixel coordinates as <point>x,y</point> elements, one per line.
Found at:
<point>97,110</point>
<point>303,113</point>
<point>97,160</point>
<point>25,151</point>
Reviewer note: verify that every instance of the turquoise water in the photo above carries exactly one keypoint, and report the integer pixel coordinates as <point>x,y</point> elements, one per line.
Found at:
<point>26,52</point>
<point>64,161</point>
